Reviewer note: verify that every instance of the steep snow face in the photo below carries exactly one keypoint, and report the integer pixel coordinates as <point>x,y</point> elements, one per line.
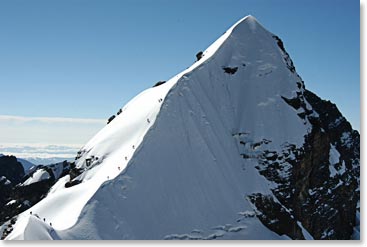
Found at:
<point>111,149</point>
<point>171,164</point>
<point>188,180</point>
<point>37,229</point>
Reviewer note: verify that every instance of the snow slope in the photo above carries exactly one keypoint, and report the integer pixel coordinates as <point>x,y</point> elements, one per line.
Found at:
<point>170,166</point>
<point>39,173</point>
<point>37,176</point>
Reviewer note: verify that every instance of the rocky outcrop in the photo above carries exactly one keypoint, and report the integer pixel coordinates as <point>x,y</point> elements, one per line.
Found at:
<point>230,70</point>
<point>159,83</point>
<point>322,191</point>
<point>11,169</point>
<point>275,216</point>
<point>318,183</point>
<point>11,173</point>
<point>18,197</point>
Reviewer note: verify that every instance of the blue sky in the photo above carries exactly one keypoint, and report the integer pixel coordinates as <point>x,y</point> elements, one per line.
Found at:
<point>87,58</point>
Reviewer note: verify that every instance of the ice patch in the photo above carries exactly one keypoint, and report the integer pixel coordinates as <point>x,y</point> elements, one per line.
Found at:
<point>334,156</point>
<point>11,202</point>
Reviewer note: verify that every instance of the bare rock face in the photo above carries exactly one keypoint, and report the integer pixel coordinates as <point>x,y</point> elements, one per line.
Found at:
<point>327,202</point>
<point>317,183</point>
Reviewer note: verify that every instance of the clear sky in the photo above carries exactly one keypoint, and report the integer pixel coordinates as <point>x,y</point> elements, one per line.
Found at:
<point>86,58</point>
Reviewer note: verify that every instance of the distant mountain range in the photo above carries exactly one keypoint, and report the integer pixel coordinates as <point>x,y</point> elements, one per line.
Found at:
<point>29,162</point>
<point>45,161</point>
<point>40,154</point>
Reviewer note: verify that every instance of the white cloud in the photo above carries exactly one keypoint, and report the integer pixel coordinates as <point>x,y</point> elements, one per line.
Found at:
<point>37,150</point>
<point>48,130</point>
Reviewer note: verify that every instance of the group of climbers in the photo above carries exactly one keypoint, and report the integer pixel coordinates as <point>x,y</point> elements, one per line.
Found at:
<point>36,215</point>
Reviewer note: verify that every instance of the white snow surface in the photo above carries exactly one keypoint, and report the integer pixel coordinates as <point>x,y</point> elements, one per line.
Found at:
<point>7,181</point>
<point>43,174</point>
<point>37,229</point>
<point>37,176</point>
<point>183,175</point>
<point>334,156</point>
<point>11,202</point>
<point>305,233</point>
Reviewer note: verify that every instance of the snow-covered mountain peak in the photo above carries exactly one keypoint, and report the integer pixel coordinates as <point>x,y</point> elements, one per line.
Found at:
<point>235,88</point>
<point>198,156</point>
<point>250,22</point>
